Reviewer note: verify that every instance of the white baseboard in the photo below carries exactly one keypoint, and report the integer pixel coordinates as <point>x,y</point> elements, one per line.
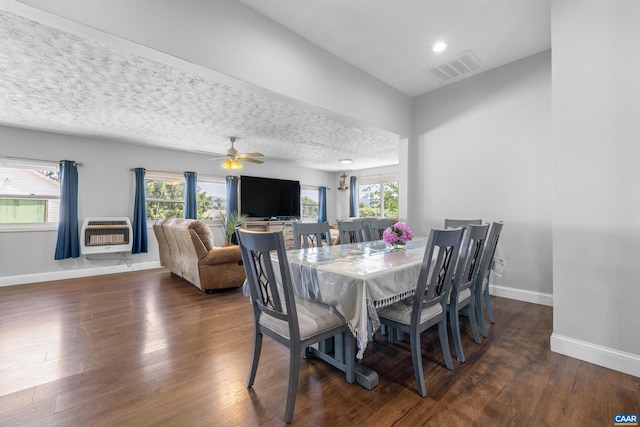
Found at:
<point>522,295</point>
<point>72,274</point>
<point>596,354</point>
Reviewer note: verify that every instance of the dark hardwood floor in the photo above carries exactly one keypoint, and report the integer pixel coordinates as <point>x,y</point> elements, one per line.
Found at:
<point>147,349</point>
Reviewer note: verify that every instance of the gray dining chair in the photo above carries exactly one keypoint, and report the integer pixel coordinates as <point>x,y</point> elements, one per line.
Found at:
<point>462,297</point>
<point>482,284</point>
<point>375,227</point>
<point>352,231</point>
<point>311,234</point>
<point>428,307</point>
<point>455,223</point>
<point>291,321</point>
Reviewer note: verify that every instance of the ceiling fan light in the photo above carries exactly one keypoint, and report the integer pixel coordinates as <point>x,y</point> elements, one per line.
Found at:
<point>231,165</point>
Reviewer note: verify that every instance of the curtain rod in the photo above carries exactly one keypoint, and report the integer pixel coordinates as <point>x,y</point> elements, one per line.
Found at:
<point>160,172</point>
<point>24,159</point>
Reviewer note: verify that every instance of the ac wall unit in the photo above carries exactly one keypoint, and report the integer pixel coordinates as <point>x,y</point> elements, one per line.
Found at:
<point>101,235</point>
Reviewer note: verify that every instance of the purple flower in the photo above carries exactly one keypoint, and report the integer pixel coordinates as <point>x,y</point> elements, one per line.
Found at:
<point>399,232</point>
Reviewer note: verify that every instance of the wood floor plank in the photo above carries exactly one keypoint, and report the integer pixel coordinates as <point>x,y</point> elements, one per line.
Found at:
<point>147,349</point>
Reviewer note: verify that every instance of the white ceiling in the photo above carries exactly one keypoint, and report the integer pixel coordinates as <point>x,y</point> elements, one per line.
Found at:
<point>392,39</point>
<point>57,81</point>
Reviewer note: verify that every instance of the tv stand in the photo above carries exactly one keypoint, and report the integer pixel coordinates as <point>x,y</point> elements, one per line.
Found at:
<point>274,225</point>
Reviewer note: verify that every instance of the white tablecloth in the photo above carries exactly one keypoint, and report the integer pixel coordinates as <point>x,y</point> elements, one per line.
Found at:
<point>357,279</point>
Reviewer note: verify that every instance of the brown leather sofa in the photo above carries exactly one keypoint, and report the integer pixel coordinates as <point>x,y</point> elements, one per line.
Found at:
<point>187,249</point>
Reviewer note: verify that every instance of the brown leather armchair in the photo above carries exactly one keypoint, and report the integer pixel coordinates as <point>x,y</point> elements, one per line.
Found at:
<point>186,248</point>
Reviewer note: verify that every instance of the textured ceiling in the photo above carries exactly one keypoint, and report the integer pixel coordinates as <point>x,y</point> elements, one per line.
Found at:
<point>57,81</point>
<point>71,82</point>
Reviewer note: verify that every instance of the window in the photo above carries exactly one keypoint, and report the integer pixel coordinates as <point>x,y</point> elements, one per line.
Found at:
<point>165,196</point>
<point>29,192</point>
<point>212,197</point>
<point>309,202</point>
<point>378,198</point>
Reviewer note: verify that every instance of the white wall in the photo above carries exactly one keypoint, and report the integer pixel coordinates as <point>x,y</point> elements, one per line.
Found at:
<point>481,149</point>
<point>596,151</point>
<point>232,39</point>
<point>106,188</point>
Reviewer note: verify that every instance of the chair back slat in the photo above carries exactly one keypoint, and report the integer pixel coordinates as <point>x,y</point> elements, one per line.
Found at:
<point>351,231</point>
<point>489,251</point>
<point>436,271</point>
<point>469,258</point>
<point>455,223</point>
<point>311,234</point>
<point>269,285</point>
<point>375,227</point>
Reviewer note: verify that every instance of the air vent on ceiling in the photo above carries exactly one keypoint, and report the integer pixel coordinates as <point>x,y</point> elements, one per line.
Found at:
<point>454,67</point>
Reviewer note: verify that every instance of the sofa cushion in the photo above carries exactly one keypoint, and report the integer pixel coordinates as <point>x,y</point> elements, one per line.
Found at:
<point>204,232</point>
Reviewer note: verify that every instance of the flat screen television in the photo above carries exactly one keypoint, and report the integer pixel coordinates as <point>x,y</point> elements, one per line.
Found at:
<point>266,198</point>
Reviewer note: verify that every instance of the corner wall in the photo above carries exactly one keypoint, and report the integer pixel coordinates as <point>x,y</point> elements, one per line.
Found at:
<point>482,149</point>
<point>596,152</point>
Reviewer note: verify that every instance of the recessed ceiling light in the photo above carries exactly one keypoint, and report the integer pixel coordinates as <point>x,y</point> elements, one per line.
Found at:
<point>346,161</point>
<point>439,46</point>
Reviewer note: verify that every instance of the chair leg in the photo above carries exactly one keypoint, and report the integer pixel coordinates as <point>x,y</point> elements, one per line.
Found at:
<point>416,357</point>
<point>294,372</point>
<point>444,342</point>
<point>257,347</point>
<point>480,314</point>
<point>487,302</point>
<point>454,320</point>
<point>472,320</point>
<point>350,356</point>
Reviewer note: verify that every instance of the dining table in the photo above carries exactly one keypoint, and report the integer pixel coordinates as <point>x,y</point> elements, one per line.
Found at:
<point>356,279</point>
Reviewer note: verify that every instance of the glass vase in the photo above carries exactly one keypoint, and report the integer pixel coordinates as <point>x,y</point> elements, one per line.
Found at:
<point>399,245</point>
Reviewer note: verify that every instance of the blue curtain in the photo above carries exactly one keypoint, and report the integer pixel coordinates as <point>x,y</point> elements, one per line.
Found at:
<point>190,197</point>
<point>139,215</point>
<point>232,194</point>
<point>322,204</point>
<point>232,200</point>
<point>353,198</point>
<point>68,244</point>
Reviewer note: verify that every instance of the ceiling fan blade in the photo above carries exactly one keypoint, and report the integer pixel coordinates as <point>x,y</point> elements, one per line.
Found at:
<point>250,160</point>
<point>244,155</point>
<point>218,158</point>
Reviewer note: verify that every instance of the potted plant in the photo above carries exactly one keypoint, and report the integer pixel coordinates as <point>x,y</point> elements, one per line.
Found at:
<point>230,223</point>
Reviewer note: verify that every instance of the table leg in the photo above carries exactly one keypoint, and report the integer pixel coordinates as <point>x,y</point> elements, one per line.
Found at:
<point>333,354</point>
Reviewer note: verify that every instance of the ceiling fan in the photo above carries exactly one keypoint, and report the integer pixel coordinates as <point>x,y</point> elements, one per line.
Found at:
<point>233,158</point>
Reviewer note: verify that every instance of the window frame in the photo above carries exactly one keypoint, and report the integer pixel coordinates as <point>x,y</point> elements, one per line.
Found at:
<point>31,165</point>
<point>317,200</point>
<point>163,177</point>
<point>380,181</point>
<point>179,178</point>
<point>213,179</point>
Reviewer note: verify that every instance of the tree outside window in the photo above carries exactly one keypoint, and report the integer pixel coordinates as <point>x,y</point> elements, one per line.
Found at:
<point>378,200</point>
<point>165,198</point>
<point>309,200</point>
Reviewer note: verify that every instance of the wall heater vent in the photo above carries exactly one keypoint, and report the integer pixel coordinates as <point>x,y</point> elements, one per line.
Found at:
<point>103,235</point>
